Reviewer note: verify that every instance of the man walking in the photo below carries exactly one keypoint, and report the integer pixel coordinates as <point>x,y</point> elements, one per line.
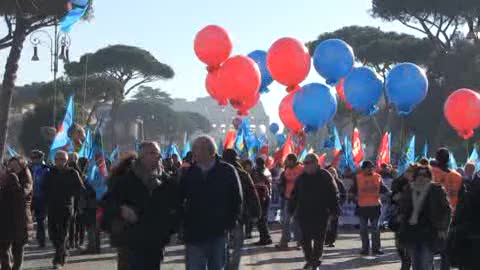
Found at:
<point>367,188</point>
<point>62,185</point>
<point>211,196</point>
<point>146,202</point>
<point>39,170</point>
<point>314,199</point>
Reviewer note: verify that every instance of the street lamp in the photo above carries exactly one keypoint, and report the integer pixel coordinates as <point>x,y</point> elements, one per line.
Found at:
<point>59,40</point>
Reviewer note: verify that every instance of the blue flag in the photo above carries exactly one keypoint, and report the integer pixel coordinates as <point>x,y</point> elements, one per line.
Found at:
<point>86,150</point>
<point>303,155</point>
<point>333,140</point>
<point>114,155</point>
<point>74,15</point>
<point>346,160</point>
<point>425,150</point>
<point>408,157</point>
<point>97,171</point>
<point>61,138</point>
<point>239,140</point>
<point>11,151</point>
<point>186,148</point>
<point>473,156</point>
<point>172,150</point>
<point>452,163</point>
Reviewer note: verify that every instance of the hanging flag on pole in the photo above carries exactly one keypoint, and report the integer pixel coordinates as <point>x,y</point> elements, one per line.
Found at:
<point>61,139</point>
<point>357,149</point>
<point>384,151</point>
<point>186,148</point>
<point>452,163</point>
<point>408,157</point>
<point>346,160</point>
<point>229,142</point>
<point>425,150</point>
<point>86,149</point>
<point>11,151</point>
<point>97,171</point>
<point>114,156</point>
<point>473,156</point>
<point>172,150</point>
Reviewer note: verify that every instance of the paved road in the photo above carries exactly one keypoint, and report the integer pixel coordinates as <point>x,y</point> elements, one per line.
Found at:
<point>344,256</point>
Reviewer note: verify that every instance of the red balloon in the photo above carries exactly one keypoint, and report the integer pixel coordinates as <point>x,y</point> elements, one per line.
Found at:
<point>244,106</point>
<point>288,116</point>
<point>341,93</point>
<point>239,78</point>
<point>213,89</point>
<point>288,61</point>
<point>462,111</point>
<point>212,45</point>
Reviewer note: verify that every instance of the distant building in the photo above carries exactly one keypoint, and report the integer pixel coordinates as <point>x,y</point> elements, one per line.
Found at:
<point>220,118</point>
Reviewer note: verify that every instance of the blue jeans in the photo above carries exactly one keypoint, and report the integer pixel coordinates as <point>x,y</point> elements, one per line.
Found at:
<point>210,254</point>
<point>364,233</point>
<point>421,256</point>
<point>144,261</point>
<point>289,225</point>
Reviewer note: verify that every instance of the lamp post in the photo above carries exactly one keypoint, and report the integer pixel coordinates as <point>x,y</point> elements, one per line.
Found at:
<point>60,41</point>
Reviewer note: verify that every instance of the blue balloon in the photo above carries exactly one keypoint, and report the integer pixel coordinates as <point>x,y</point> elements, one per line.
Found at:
<point>333,59</point>
<point>260,57</point>
<point>363,90</point>
<point>407,86</point>
<point>274,128</point>
<point>315,105</point>
<point>281,139</point>
<point>251,141</point>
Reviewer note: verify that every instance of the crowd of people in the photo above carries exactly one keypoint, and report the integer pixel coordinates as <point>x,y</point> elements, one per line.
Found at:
<point>212,203</point>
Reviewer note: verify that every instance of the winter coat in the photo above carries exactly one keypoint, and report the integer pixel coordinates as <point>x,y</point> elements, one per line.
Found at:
<point>464,242</point>
<point>156,209</point>
<point>26,182</point>
<point>251,202</point>
<point>13,215</point>
<point>433,218</point>
<point>211,201</point>
<point>262,179</point>
<point>60,189</point>
<point>314,199</point>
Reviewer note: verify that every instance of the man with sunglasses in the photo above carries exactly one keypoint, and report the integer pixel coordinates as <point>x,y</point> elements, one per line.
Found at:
<point>62,185</point>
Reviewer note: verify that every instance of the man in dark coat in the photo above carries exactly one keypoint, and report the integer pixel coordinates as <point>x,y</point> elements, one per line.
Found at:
<point>211,196</point>
<point>145,201</point>
<point>13,225</point>
<point>251,208</point>
<point>62,185</point>
<point>314,199</point>
<point>39,170</point>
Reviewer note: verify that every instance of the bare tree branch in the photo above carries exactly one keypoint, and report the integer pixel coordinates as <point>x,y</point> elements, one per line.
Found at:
<point>146,80</point>
<point>412,27</point>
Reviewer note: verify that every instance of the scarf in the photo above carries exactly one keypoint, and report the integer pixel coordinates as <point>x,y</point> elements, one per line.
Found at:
<point>151,179</point>
<point>419,193</point>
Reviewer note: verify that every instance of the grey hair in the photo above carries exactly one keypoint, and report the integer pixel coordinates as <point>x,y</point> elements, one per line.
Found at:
<point>208,141</point>
<point>63,153</point>
<point>146,144</point>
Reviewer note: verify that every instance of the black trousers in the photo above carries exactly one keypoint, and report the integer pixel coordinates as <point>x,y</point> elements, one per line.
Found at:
<point>403,254</point>
<point>11,255</point>
<point>332,231</point>
<point>58,225</point>
<point>262,224</point>
<point>313,239</point>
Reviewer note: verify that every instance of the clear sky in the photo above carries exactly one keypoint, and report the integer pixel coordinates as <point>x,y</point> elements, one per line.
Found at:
<point>167,29</point>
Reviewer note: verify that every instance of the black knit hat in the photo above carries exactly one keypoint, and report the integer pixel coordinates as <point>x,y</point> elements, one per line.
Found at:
<point>367,164</point>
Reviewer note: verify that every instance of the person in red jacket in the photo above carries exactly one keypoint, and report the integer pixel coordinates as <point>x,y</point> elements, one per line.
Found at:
<point>293,169</point>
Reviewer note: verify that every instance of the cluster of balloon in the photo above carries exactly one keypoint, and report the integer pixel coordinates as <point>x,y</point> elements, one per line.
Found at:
<point>289,62</point>
<point>341,93</point>
<point>462,111</point>
<point>274,128</point>
<point>260,57</point>
<point>236,79</point>
<point>363,90</point>
<point>333,59</point>
<point>287,114</point>
<point>406,87</point>
<point>315,105</point>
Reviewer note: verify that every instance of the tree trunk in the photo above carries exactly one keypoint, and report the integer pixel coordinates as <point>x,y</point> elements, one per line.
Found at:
<point>117,101</point>
<point>11,68</point>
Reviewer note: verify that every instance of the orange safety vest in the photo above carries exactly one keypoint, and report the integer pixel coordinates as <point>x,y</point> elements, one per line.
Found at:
<point>452,183</point>
<point>291,175</point>
<point>369,189</point>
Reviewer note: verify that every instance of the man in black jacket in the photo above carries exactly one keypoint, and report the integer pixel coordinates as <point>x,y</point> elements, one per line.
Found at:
<point>144,202</point>
<point>211,195</point>
<point>251,209</point>
<point>314,199</point>
<point>62,185</point>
